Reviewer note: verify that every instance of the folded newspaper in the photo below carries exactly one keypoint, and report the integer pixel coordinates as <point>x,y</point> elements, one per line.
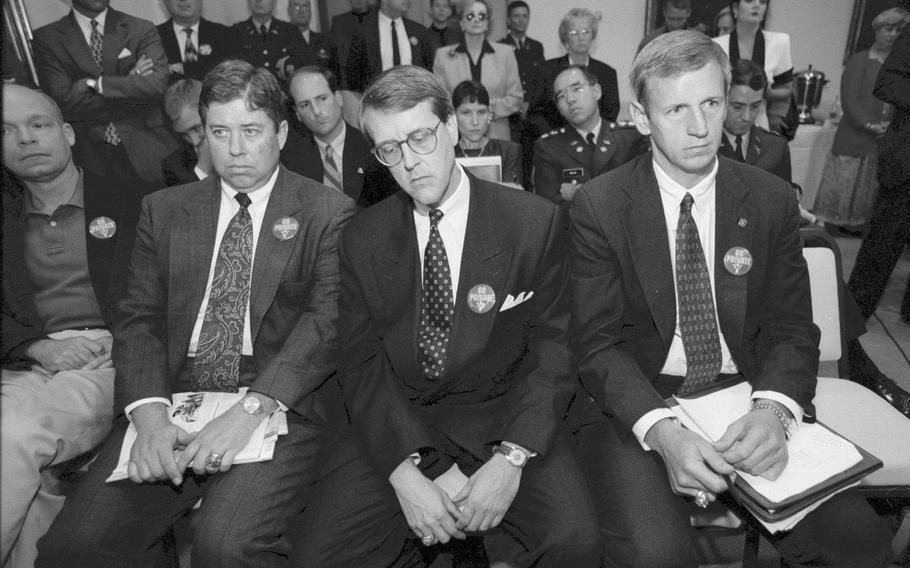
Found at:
<point>193,410</point>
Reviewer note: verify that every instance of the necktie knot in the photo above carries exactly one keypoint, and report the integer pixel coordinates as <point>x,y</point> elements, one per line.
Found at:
<point>188,31</point>
<point>243,199</point>
<point>263,31</point>
<point>686,205</point>
<point>94,25</point>
<point>590,139</point>
<point>435,217</point>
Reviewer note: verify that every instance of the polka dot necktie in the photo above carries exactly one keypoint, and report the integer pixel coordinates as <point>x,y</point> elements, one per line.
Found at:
<point>217,363</point>
<point>437,308</point>
<point>697,320</point>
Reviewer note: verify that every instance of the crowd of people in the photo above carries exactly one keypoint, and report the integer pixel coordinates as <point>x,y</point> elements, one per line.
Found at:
<point>186,209</point>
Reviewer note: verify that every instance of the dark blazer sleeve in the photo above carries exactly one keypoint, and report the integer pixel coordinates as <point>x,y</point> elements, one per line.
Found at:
<point>511,161</point>
<point>893,82</point>
<point>547,171</point>
<point>144,41</point>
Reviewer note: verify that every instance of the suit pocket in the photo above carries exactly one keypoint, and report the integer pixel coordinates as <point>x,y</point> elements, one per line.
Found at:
<point>126,64</point>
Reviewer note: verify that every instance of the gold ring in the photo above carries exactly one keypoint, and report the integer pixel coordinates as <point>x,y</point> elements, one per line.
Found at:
<point>213,461</point>
<point>429,540</point>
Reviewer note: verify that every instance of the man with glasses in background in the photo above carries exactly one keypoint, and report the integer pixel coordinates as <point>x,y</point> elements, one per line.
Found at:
<point>487,384</point>
<point>587,146</point>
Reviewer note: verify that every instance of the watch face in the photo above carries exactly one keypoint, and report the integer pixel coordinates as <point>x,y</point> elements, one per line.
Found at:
<point>251,405</point>
<point>517,457</point>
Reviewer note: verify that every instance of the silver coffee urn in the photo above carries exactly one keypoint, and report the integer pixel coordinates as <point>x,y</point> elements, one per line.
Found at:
<point>809,86</point>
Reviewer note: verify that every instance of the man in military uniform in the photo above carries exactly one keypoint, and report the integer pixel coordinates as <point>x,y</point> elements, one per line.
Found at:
<point>344,26</point>
<point>324,49</point>
<point>269,42</point>
<point>587,146</point>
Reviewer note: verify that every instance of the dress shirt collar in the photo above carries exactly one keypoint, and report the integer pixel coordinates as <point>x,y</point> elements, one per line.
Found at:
<point>337,143</point>
<point>306,35</point>
<point>595,130</point>
<point>385,21</point>
<point>731,139</point>
<point>258,197</point>
<point>455,208</point>
<point>178,29</point>
<point>702,192</point>
<point>267,24</point>
<point>85,23</point>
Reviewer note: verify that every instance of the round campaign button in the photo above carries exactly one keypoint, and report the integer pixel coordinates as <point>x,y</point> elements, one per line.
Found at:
<point>102,227</point>
<point>481,298</point>
<point>285,228</point>
<point>742,222</point>
<point>738,261</point>
<point>579,149</point>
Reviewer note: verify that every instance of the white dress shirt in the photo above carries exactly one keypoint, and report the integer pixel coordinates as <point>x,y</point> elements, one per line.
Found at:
<point>85,24</point>
<point>228,207</point>
<point>385,41</point>
<point>181,38</point>
<point>704,214</point>
<point>452,227</point>
<point>595,131</point>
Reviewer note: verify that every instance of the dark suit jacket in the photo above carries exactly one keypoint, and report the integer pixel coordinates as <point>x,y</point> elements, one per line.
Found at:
<point>365,59</point>
<point>213,35</point>
<point>292,298</point>
<point>131,102</point>
<point>107,259</point>
<point>624,307</point>
<point>365,180</point>
<point>179,166</point>
<point>557,157</point>
<point>543,109</point>
<point>529,58</point>
<point>283,42</point>
<point>767,150</point>
<point>508,374</point>
<point>893,87</point>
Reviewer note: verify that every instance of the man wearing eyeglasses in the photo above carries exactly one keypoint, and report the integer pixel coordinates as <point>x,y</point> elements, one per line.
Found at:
<point>487,383</point>
<point>587,146</point>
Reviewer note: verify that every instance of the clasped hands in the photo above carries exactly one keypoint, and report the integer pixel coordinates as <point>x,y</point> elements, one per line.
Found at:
<point>755,444</point>
<point>163,450</point>
<point>479,506</point>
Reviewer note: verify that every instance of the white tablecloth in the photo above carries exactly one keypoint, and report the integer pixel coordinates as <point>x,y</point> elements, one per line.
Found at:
<point>808,152</point>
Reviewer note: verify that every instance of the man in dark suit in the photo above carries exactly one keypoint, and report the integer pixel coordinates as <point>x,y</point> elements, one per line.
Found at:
<point>66,241</point>
<point>345,27</point>
<point>662,306</point>
<point>325,52</point>
<point>577,32</point>
<point>743,141</point>
<point>200,315</point>
<point>587,146</point>
<point>193,45</point>
<point>442,30</point>
<point>529,55</point>
<point>676,15</point>
<point>192,161</point>
<point>268,42</point>
<point>487,382</point>
<point>332,151</point>
<point>375,48</point>
<point>107,71</point>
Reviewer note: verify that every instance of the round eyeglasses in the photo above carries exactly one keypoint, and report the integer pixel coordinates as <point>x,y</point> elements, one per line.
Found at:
<point>580,33</point>
<point>471,16</point>
<point>421,141</point>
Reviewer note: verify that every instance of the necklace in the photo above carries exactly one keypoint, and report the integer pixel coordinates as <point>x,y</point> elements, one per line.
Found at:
<point>467,151</point>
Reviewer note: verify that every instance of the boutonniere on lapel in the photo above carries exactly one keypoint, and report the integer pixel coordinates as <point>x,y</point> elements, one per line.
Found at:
<point>176,68</point>
<point>322,54</point>
<point>413,41</point>
<point>205,49</point>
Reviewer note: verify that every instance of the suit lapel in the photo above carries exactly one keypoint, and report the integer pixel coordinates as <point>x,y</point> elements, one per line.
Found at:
<point>77,46</point>
<point>399,278</point>
<point>371,35</point>
<point>733,228</point>
<point>115,32</point>
<point>485,260</point>
<point>650,248</point>
<point>192,256</point>
<point>272,254</point>
<point>170,43</point>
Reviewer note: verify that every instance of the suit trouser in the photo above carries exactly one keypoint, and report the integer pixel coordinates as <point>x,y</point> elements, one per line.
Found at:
<point>354,517</point>
<point>46,420</point>
<point>242,520</point>
<point>645,524</point>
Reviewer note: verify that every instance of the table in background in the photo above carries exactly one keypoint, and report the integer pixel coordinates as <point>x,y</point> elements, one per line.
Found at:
<point>808,152</point>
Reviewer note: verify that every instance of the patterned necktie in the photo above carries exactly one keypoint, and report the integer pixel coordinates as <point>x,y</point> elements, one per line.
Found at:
<point>437,309</point>
<point>697,320</point>
<point>97,45</point>
<point>739,149</point>
<point>590,139</point>
<point>331,174</point>
<point>189,51</point>
<point>217,363</point>
<point>263,32</point>
<point>396,54</point>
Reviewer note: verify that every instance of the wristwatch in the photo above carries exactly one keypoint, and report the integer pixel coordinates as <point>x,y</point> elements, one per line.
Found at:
<point>780,411</point>
<point>252,405</point>
<point>516,456</point>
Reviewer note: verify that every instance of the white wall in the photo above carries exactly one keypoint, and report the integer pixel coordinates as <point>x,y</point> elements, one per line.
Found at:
<point>818,28</point>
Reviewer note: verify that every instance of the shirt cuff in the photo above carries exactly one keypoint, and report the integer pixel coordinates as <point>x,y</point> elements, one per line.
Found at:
<point>795,409</point>
<point>100,86</point>
<point>646,422</point>
<point>200,174</point>
<point>133,406</point>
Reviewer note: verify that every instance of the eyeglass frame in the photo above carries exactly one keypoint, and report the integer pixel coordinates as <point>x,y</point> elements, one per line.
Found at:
<point>434,131</point>
<point>578,88</point>
<point>471,16</point>
<point>580,33</point>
